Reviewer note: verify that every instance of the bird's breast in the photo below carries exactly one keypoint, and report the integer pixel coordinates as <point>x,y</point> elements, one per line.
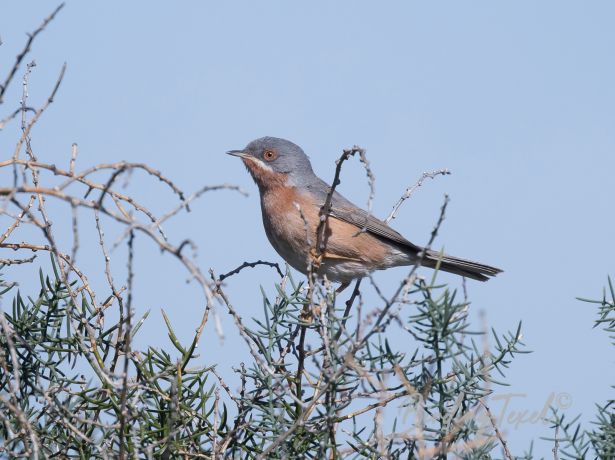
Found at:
<point>290,223</point>
<point>291,218</point>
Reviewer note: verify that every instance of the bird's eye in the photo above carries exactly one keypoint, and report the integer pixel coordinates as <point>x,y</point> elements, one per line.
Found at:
<point>270,155</point>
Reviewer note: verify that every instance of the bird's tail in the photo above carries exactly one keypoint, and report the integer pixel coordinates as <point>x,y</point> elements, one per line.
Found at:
<point>462,267</point>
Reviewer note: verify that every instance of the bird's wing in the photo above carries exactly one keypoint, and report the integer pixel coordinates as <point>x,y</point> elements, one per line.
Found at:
<point>343,209</point>
<point>363,220</point>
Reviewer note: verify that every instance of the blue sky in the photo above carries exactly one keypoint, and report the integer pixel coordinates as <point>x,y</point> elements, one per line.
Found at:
<point>515,98</point>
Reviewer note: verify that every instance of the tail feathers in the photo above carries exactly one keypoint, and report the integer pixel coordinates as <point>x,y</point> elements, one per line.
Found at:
<point>458,266</point>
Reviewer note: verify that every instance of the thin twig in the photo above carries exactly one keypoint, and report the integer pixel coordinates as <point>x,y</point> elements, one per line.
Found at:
<point>17,261</point>
<point>410,190</point>
<point>13,114</point>
<point>18,220</point>
<point>31,37</point>
<point>498,434</point>
<point>325,210</point>
<point>74,151</point>
<point>555,449</point>
<point>25,137</point>
<point>251,265</point>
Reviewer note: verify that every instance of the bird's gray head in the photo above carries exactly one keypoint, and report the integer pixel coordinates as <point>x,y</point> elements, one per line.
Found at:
<point>270,157</point>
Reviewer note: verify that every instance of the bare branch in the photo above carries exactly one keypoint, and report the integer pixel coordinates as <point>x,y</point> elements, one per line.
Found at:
<point>498,434</point>
<point>410,190</point>
<point>251,265</point>
<point>18,60</point>
<point>17,261</point>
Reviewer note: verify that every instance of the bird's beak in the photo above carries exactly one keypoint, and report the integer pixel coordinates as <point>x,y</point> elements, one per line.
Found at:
<point>238,153</point>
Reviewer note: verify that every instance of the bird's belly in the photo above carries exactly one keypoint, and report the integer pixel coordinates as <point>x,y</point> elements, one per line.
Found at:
<point>292,233</point>
<point>292,253</point>
<point>296,253</point>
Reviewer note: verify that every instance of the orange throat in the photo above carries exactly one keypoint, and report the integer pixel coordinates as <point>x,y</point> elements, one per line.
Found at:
<point>263,175</point>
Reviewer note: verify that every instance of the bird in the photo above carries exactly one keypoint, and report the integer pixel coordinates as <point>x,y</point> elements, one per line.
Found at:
<point>357,243</point>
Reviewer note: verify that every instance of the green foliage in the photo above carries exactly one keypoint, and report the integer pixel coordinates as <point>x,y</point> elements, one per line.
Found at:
<point>576,441</point>
<point>335,383</point>
<point>63,392</point>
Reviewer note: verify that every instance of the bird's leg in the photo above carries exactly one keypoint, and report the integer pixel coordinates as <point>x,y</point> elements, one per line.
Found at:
<point>342,287</point>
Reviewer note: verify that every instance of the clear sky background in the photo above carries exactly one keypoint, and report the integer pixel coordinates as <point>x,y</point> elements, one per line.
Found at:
<point>517,99</point>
